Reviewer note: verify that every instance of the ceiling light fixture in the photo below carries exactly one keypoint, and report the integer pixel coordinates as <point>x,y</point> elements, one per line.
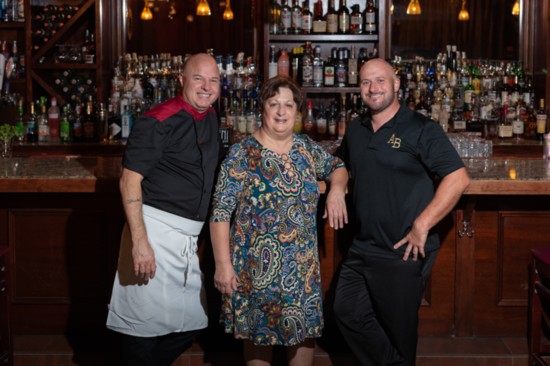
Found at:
<point>228,13</point>
<point>515,8</point>
<point>203,9</point>
<point>463,15</point>
<point>414,8</point>
<point>146,13</point>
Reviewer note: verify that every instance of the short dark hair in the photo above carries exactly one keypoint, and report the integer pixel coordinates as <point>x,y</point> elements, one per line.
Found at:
<point>272,86</point>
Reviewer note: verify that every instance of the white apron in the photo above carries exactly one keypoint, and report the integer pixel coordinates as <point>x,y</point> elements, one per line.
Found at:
<point>174,300</point>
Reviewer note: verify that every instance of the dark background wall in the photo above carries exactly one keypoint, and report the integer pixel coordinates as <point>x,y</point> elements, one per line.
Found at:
<point>189,33</point>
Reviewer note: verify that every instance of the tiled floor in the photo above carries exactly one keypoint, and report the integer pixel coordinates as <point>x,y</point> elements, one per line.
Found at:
<point>432,351</point>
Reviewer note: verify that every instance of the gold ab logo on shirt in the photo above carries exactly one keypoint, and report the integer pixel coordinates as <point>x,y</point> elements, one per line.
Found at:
<point>395,142</point>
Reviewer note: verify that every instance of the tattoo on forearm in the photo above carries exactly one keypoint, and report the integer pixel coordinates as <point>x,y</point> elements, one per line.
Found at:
<point>133,200</point>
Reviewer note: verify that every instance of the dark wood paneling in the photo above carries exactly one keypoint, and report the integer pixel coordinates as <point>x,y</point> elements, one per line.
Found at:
<point>505,233</point>
<point>64,249</point>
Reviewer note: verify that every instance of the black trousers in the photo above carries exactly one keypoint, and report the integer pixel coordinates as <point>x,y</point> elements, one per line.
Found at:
<point>155,351</point>
<point>376,306</point>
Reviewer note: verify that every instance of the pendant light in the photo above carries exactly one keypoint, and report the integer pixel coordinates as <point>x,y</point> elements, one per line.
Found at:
<point>146,13</point>
<point>203,9</point>
<point>463,15</point>
<point>414,8</point>
<point>228,13</point>
<point>391,8</point>
<point>515,8</point>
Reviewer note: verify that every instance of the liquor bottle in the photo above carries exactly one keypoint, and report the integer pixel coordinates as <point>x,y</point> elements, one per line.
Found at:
<point>518,126</point>
<point>125,123</point>
<point>308,126</point>
<point>341,70</point>
<point>332,122</point>
<point>317,67</point>
<point>423,108</point>
<point>296,18</point>
<point>283,64</point>
<point>321,122</point>
<point>329,76</point>
<point>363,57</point>
<point>42,122</point>
<point>274,17</point>
<point>541,120</point>
<point>272,65</point>
<point>32,127</point>
<point>343,118</point>
<point>458,122</point>
<point>352,68</point>
<point>355,20</point>
<point>319,20</point>
<point>369,14</point>
<point>53,119</point>
<point>65,126</point>
<point>332,18</point>
<point>20,122</point>
<point>307,66</point>
<point>354,112</point>
<point>505,130</point>
<point>343,18</point>
<point>298,123</point>
<point>231,114</point>
<point>103,123</point>
<point>89,123</point>
<point>77,122</point>
<point>296,64</point>
<point>241,115</point>
<point>115,127</point>
<point>286,18</point>
<point>88,48</point>
<point>530,128</point>
<point>307,18</point>
<point>15,58</point>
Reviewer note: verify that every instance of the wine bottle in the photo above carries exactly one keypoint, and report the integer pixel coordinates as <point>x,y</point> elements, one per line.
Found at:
<point>332,18</point>
<point>286,18</point>
<point>296,18</point>
<point>355,20</point>
<point>370,18</point>
<point>307,18</point>
<point>319,20</point>
<point>343,18</point>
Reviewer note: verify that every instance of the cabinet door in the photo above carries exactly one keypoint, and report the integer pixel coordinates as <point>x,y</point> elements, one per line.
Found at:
<point>5,342</point>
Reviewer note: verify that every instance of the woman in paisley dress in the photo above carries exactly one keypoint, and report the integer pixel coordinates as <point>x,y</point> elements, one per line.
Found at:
<point>264,231</point>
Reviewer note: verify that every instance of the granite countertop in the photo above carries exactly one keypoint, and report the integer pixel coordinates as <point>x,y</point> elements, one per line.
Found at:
<point>100,174</point>
<point>59,174</point>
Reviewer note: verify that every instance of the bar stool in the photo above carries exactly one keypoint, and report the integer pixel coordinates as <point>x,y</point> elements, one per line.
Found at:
<point>539,308</point>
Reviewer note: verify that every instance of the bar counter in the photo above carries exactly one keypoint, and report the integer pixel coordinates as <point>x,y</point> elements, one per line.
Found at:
<point>499,176</point>
<point>61,218</point>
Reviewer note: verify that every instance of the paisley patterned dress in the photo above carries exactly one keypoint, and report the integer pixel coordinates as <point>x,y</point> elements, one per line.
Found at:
<point>273,241</point>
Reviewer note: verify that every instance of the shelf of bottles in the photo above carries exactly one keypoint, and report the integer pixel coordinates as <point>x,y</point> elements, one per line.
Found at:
<point>12,55</point>
<point>48,20</point>
<point>492,98</point>
<point>142,81</point>
<point>335,35</point>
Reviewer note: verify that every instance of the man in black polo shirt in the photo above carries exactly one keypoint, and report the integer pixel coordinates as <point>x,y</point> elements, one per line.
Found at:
<point>392,154</point>
<point>169,164</point>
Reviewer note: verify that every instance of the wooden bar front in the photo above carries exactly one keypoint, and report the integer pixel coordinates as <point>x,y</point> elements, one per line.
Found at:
<point>61,220</point>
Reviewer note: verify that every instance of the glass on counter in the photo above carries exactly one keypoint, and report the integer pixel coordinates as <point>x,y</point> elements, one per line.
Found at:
<point>471,145</point>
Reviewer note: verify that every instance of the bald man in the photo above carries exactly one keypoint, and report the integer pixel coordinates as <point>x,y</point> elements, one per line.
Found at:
<point>392,154</point>
<point>158,302</point>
